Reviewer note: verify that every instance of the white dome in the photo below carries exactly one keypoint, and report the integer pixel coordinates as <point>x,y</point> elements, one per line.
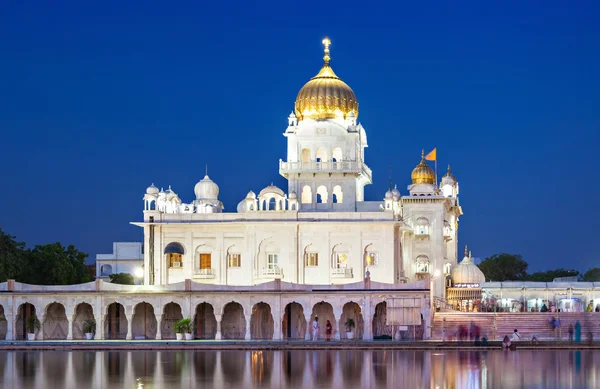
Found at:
<point>395,192</point>
<point>162,193</point>
<point>170,194</point>
<point>250,195</point>
<point>293,195</point>
<point>271,189</point>
<point>389,194</point>
<point>152,190</point>
<point>206,189</point>
<point>467,273</point>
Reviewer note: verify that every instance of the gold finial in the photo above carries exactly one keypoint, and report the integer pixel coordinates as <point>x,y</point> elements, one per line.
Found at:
<point>448,168</point>
<point>422,154</point>
<point>466,251</point>
<point>326,43</point>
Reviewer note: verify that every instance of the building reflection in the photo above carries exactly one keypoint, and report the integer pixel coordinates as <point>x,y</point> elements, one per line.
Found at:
<point>287,369</point>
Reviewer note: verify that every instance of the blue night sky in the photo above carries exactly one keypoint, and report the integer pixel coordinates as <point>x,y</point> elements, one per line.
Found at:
<point>99,101</point>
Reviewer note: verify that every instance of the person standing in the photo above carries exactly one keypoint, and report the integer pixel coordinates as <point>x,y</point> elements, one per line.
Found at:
<point>315,328</point>
<point>570,332</point>
<point>578,332</point>
<point>328,329</point>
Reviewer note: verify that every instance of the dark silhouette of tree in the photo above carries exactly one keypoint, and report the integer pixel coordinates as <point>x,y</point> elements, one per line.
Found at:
<point>122,278</point>
<point>592,275</point>
<point>504,267</point>
<point>550,275</point>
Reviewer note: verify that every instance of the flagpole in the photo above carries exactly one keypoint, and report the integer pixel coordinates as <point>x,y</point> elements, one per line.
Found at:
<point>436,176</point>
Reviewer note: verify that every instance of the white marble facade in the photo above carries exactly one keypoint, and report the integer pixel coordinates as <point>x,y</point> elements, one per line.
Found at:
<point>321,231</point>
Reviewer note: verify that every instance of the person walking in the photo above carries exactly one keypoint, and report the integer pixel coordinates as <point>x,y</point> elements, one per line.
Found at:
<point>328,329</point>
<point>570,332</point>
<point>315,328</point>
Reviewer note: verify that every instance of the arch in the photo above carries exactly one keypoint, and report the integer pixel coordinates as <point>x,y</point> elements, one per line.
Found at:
<point>322,155</point>
<point>106,270</point>
<point>83,312</point>
<point>24,312</point>
<point>340,257</point>
<point>306,195</point>
<point>3,324</point>
<point>336,154</point>
<point>261,322</point>
<point>143,322</point>
<point>380,329</point>
<point>171,314</point>
<point>55,325</point>
<point>293,324</point>
<point>351,310</point>
<point>447,268</point>
<point>371,256</point>
<point>422,264</point>
<point>305,155</point>
<point>234,257</point>
<point>205,321</point>
<point>293,207</point>
<point>311,256</point>
<point>338,196</point>
<point>233,322</point>
<point>272,204</point>
<point>422,226</point>
<point>152,204</point>
<point>174,252</point>
<point>115,325</point>
<point>324,311</point>
<point>322,196</point>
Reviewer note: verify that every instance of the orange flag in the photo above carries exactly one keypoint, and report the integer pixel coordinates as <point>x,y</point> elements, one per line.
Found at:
<point>432,156</point>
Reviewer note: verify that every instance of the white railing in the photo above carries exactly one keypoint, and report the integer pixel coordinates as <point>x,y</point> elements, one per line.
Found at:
<point>275,272</point>
<point>324,167</point>
<point>204,273</point>
<point>343,272</point>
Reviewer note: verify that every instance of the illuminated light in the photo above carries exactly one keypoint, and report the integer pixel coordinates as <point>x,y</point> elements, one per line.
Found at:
<point>139,272</point>
<point>436,273</point>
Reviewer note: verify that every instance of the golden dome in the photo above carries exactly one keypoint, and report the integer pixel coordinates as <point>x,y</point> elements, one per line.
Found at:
<point>325,96</point>
<point>423,173</point>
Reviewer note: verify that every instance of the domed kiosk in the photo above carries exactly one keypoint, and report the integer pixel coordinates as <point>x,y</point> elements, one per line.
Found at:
<point>465,293</point>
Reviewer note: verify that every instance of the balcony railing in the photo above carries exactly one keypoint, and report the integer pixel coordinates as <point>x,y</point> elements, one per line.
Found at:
<point>275,272</point>
<point>344,272</point>
<point>204,273</point>
<point>285,168</point>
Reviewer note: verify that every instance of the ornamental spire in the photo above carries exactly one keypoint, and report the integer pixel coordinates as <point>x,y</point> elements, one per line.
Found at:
<point>326,58</point>
<point>466,251</point>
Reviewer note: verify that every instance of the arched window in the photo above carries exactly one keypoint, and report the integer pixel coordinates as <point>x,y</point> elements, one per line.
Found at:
<point>341,257</point>
<point>311,256</point>
<point>106,270</point>
<point>338,196</point>
<point>422,226</point>
<point>306,195</point>
<point>293,207</point>
<point>234,258</point>
<point>204,257</point>
<point>422,264</point>
<point>174,255</point>
<point>322,194</point>
<point>337,154</point>
<point>447,268</point>
<point>371,256</point>
<point>305,155</point>
<point>272,204</point>
<point>322,154</point>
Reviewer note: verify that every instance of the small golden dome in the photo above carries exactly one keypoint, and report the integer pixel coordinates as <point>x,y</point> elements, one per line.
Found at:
<point>325,96</point>
<point>423,173</point>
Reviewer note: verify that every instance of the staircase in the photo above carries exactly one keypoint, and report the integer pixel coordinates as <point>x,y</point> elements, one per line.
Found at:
<point>495,325</point>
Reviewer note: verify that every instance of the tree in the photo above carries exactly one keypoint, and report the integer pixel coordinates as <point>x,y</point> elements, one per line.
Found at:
<point>550,275</point>
<point>504,267</point>
<point>592,275</point>
<point>122,278</point>
<point>12,257</point>
<point>53,264</point>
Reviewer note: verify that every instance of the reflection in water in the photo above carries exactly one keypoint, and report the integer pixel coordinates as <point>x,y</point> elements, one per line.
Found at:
<point>297,369</point>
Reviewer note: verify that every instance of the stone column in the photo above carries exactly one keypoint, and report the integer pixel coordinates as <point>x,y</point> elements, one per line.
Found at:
<point>277,317</point>
<point>218,335</point>
<point>338,320</point>
<point>129,326</point>
<point>248,333</point>
<point>308,335</point>
<point>10,328</point>
<point>70,328</point>
<point>367,319</point>
<point>98,313</point>
<point>158,327</point>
